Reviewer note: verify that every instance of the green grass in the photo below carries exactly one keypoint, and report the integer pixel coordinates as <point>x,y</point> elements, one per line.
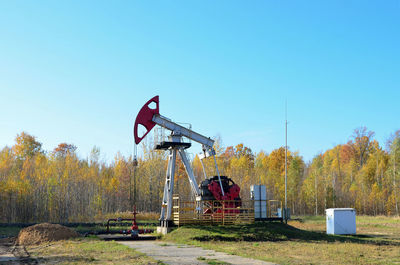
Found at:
<point>9,231</point>
<point>301,241</point>
<point>88,251</point>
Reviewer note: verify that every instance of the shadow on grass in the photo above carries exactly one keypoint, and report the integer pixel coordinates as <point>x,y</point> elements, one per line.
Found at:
<point>273,231</point>
<point>64,260</point>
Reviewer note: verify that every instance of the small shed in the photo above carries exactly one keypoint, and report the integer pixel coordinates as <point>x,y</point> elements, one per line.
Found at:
<point>341,221</point>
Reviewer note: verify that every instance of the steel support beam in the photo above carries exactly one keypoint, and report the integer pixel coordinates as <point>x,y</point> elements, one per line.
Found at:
<point>166,206</point>
<point>189,171</point>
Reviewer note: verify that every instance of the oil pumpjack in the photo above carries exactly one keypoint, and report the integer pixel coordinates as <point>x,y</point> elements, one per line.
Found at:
<point>219,187</point>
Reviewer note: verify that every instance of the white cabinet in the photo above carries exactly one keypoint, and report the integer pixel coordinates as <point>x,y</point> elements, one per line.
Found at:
<point>259,196</point>
<point>341,221</point>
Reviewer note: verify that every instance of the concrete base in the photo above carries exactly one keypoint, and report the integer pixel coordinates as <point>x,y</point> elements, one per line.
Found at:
<point>163,230</point>
<point>184,254</point>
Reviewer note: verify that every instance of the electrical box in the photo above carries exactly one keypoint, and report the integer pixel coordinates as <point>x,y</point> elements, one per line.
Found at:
<point>281,213</point>
<point>258,194</point>
<point>341,221</point>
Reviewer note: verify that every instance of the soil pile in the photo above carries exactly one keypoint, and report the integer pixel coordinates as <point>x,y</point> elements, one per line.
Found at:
<point>45,232</point>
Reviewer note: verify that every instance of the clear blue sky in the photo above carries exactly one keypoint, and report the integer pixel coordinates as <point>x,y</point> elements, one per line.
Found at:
<point>79,71</point>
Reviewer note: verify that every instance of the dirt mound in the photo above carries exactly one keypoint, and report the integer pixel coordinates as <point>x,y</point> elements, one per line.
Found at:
<point>45,232</point>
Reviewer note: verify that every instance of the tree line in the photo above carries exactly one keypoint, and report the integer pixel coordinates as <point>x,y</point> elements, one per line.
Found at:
<point>59,186</point>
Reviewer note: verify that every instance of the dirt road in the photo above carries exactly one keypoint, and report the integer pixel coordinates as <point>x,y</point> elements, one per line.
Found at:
<point>6,256</point>
<point>9,254</point>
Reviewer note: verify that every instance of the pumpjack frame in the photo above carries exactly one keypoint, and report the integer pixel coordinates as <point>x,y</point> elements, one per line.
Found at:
<point>149,117</point>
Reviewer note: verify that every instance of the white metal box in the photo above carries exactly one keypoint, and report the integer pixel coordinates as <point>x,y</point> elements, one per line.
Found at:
<point>341,221</point>
<point>258,192</point>
<point>259,196</point>
<point>282,215</point>
<point>260,209</point>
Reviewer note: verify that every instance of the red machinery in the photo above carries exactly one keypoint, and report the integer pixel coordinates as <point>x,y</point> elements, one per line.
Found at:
<point>211,190</point>
<point>218,188</point>
<point>231,189</point>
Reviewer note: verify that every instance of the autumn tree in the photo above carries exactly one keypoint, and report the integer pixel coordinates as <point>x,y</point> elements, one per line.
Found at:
<point>360,144</point>
<point>393,173</point>
<point>58,186</point>
<point>26,146</point>
<point>63,149</point>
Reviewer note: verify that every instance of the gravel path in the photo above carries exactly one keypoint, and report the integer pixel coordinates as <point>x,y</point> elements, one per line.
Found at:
<point>171,253</point>
<point>10,254</point>
<point>6,256</point>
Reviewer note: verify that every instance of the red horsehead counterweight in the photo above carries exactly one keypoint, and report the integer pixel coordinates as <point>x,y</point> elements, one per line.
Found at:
<point>145,118</point>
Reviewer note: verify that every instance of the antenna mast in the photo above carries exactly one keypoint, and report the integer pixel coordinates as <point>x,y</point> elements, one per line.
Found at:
<point>285,163</point>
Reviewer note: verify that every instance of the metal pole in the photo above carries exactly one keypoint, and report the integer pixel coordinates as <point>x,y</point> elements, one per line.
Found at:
<point>394,179</point>
<point>130,188</point>
<point>134,164</point>
<point>204,169</point>
<point>285,164</point>
<point>134,185</point>
<point>219,177</point>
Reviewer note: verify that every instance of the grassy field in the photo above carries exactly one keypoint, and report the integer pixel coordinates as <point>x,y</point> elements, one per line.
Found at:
<point>9,231</point>
<point>88,251</point>
<point>302,241</point>
<point>85,250</point>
